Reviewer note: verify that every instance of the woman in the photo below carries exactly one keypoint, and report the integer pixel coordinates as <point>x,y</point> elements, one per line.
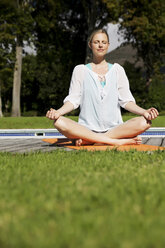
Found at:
<point>100,88</point>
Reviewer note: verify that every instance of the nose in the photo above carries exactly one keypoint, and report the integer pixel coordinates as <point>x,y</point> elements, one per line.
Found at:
<point>100,44</point>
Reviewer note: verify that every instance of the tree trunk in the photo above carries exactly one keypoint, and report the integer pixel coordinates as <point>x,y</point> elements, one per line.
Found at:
<point>16,109</point>
<point>1,114</point>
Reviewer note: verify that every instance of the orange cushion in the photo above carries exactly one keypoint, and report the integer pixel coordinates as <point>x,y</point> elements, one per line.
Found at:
<point>68,144</point>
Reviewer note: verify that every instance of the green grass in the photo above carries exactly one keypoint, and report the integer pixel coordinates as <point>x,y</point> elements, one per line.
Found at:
<point>82,200</point>
<point>158,122</point>
<point>43,122</point>
<point>25,122</point>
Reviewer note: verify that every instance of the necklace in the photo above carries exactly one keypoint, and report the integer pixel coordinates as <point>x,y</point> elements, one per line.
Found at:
<point>102,80</point>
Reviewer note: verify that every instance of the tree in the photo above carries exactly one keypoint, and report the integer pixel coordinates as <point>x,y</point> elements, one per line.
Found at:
<point>1,113</point>
<point>22,9</point>
<point>143,25</point>
<point>82,17</point>
<point>30,85</point>
<point>54,54</point>
<point>62,28</point>
<point>16,27</point>
<point>5,88</point>
<point>6,55</point>
<point>59,30</point>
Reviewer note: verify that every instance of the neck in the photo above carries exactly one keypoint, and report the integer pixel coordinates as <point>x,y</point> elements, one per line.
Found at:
<point>98,60</point>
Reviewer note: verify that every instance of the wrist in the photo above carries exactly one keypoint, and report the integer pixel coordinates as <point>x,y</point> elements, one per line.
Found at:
<point>143,112</point>
<point>59,112</point>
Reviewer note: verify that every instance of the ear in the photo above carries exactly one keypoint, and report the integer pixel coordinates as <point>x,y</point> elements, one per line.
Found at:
<point>89,44</point>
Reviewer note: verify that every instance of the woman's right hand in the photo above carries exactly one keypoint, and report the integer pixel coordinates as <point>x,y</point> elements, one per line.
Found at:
<point>53,114</point>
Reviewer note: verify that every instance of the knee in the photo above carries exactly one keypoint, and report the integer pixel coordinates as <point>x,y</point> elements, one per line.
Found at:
<point>143,124</point>
<point>60,124</point>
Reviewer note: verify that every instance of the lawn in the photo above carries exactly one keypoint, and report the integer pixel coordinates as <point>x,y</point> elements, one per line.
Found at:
<point>82,199</point>
<point>43,122</point>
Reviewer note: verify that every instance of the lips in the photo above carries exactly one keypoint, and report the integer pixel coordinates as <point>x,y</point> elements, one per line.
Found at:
<point>100,50</point>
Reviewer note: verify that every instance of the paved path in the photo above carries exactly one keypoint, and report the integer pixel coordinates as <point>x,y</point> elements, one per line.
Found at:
<point>35,145</point>
<point>26,145</point>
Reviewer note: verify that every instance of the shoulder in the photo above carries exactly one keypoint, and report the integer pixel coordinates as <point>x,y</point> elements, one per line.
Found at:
<point>79,68</point>
<point>118,67</point>
<point>78,72</point>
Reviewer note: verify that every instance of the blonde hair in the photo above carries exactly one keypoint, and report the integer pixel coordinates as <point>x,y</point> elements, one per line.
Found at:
<point>103,31</point>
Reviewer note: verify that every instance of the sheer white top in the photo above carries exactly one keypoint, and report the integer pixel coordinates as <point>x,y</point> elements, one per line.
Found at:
<point>99,107</point>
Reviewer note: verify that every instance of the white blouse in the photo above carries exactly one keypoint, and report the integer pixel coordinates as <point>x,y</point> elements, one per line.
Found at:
<point>99,113</point>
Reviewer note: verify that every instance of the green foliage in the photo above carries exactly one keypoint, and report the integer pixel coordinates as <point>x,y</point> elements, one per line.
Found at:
<point>30,87</point>
<point>53,79</point>
<point>137,83</point>
<point>156,93</point>
<point>7,58</point>
<point>143,24</point>
<point>6,78</point>
<point>112,7</point>
<point>15,23</point>
<point>82,199</point>
<point>55,57</point>
<point>59,29</point>
<point>16,26</point>
<point>150,96</point>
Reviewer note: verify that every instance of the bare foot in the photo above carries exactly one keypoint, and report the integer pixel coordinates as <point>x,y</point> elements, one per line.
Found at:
<point>132,141</point>
<point>80,142</point>
<point>119,142</point>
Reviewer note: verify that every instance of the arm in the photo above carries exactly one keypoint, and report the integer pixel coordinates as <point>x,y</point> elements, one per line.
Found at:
<point>148,114</point>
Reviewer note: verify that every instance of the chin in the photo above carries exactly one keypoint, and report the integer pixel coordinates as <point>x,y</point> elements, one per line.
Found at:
<point>100,54</point>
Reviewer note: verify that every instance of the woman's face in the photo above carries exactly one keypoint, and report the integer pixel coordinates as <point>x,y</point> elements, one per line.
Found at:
<point>99,44</point>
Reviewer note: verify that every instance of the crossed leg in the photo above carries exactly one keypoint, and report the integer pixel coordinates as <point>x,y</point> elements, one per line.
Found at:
<point>124,134</point>
<point>130,128</point>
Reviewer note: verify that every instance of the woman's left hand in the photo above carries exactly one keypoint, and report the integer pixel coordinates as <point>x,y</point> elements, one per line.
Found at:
<point>151,114</point>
